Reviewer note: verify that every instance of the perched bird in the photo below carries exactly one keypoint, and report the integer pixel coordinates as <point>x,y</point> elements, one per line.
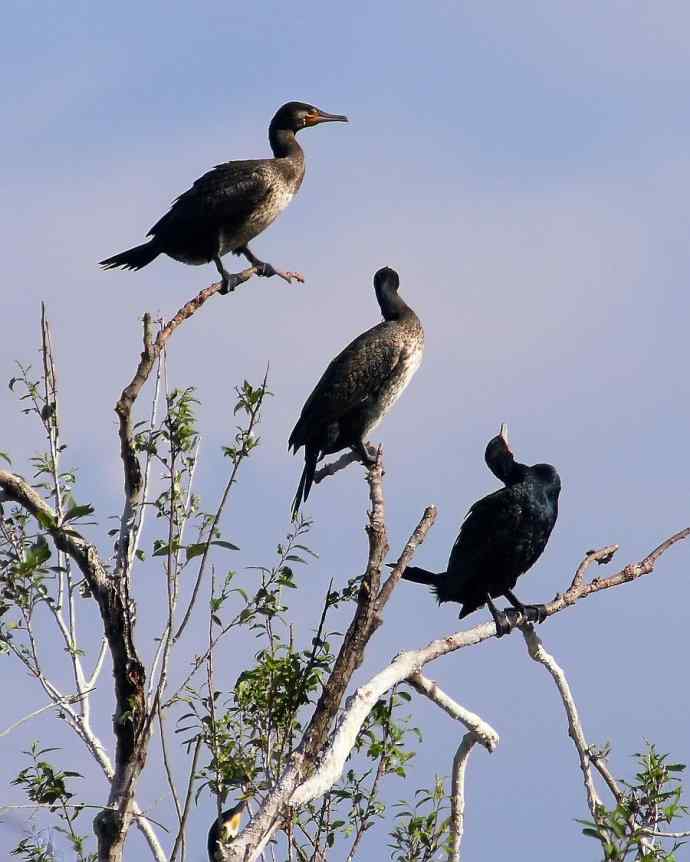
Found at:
<point>360,385</point>
<point>229,827</point>
<point>233,203</point>
<point>503,536</point>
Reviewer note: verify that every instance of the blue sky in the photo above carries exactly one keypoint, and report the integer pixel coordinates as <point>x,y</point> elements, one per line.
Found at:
<point>525,169</point>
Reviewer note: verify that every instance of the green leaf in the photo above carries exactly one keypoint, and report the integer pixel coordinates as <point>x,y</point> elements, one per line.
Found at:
<point>79,512</point>
<point>195,550</point>
<point>223,544</point>
<point>5,457</point>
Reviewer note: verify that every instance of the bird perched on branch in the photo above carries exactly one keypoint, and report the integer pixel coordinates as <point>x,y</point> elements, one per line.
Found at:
<point>360,385</point>
<point>229,827</point>
<point>233,203</point>
<point>503,536</point>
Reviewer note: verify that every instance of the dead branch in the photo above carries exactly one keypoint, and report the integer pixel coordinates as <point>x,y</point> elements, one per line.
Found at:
<point>536,651</point>
<point>341,463</point>
<point>478,730</point>
<point>457,795</point>
<point>482,730</point>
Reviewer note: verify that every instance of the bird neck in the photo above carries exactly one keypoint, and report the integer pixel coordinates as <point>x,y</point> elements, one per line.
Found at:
<point>284,143</point>
<point>500,460</point>
<point>392,305</point>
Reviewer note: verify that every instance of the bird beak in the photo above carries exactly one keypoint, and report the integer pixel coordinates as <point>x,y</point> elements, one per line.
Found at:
<point>503,433</point>
<point>322,117</point>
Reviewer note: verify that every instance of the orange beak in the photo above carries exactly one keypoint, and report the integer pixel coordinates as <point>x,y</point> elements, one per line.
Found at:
<point>323,117</point>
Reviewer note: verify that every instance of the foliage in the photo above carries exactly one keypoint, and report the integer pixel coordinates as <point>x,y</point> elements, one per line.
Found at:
<point>645,808</point>
<point>421,834</point>
<point>47,786</point>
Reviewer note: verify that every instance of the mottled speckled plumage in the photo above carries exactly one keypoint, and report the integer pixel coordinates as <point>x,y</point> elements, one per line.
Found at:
<point>227,207</point>
<point>361,384</point>
<point>503,535</point>
<point>233,203</point>
<point>230,825</point>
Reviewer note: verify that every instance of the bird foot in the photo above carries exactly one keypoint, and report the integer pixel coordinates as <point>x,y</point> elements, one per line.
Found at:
<point>504,624</point>
<point>267,271</point>
<point>535,613</point>
<point>229,282</point>
<point>368,454</point>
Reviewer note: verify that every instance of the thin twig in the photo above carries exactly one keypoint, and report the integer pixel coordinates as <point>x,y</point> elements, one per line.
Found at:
<point>187,801</point>
<point>254,416</point>
<point>341,463</point>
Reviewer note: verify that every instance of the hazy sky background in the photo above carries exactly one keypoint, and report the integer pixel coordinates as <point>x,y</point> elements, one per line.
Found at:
<point>525,168</point>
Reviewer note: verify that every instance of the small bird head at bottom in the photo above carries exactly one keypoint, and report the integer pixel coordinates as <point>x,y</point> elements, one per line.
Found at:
<point>300,115</point>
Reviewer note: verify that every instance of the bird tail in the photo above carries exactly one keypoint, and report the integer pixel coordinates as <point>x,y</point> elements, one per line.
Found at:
<point>421,576</point>
<point>134,258</point>
<point>310,458</point>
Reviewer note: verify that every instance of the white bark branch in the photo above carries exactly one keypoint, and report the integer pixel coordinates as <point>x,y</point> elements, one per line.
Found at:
<point>478,731</point>
<point>457,795</point>
<point>539,654</point>
<point>482,730</point>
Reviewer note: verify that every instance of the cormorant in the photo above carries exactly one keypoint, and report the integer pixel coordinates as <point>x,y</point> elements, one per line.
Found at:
<point>502,537</point>
<point>230,826</point>
<point>360,385</point>
<point>233,203</point>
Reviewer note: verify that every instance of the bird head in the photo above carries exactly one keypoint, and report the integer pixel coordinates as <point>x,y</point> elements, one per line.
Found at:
<point>547,476</point>
<point>294,116</point>
<point>386,284</point>
<point>230,821</point>
<point>498,456</point>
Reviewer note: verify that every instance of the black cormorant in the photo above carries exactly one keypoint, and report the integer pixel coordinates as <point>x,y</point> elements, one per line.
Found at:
<point>360,385</point>
<point>231,204</point>
<point>502,537</point>
<point>230,826</point>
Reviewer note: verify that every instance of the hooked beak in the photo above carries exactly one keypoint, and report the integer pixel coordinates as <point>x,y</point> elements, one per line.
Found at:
<point>503,434</point>
<point>323,117</point>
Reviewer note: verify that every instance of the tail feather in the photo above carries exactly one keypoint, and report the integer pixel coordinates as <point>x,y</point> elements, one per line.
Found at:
<point>421,576</point>
<point>134,258</point>
<point>306,480</point>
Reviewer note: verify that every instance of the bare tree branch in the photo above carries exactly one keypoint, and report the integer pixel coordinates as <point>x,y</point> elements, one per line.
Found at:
<point>457,795</point>
<point>484,733</point>
<point>341,463</point>
<point>478,731</point>
<point>536,651</point>
<point>48,706</point>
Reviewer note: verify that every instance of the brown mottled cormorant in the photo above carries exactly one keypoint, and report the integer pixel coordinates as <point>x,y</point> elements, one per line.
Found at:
<point>233,203</point>
<point>360,385</point>
<point>502,537</point>
<point>229,827</point>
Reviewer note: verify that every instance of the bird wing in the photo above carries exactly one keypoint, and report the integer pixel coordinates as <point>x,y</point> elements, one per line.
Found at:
<point>489,537</point>
<point>227,193</point>
<point>356,374</point>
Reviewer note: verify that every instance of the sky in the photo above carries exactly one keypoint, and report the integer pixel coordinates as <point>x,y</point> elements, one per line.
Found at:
<point>525,169</point>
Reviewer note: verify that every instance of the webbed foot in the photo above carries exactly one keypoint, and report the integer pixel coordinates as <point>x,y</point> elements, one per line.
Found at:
<point>266,270</point>
<point>367,455</point>
<point>229,281</point>
<point>504,626</point>
<point>535,613</point>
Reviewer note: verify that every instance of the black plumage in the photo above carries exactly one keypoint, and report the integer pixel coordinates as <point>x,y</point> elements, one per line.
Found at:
<point>502,537</point>
<point>233,203</point>
<point>229,827</point>
<point>360,385</point>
